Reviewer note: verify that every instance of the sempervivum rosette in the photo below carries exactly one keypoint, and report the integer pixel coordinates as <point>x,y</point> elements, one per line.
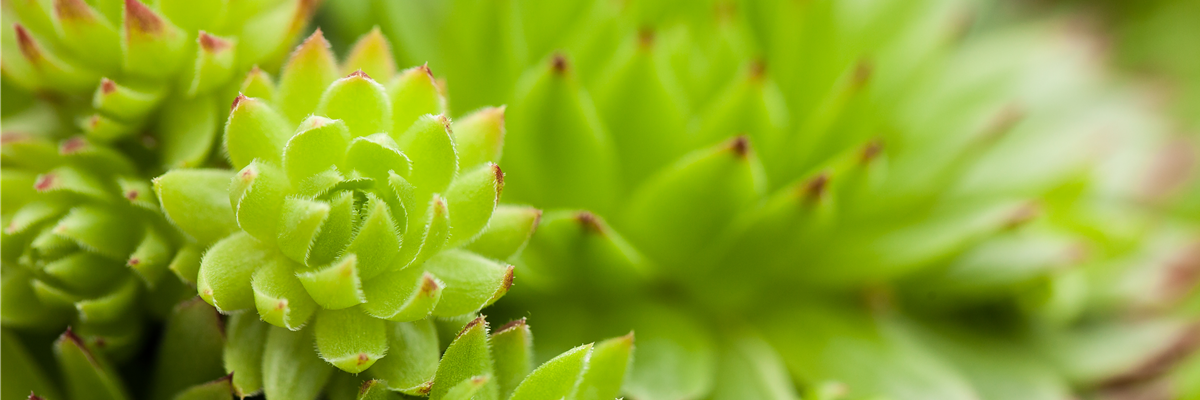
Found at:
<point>162,73</point>
<point>776,194</point>
<point>84,242</point>
<point>357,215</point>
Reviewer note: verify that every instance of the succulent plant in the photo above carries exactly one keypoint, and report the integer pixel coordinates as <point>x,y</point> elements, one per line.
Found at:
<point>780,194</point>
<point>355,230</point>
<point>155,75</point>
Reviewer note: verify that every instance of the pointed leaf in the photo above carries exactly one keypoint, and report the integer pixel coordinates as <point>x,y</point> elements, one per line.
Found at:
<point>556,378</point>
<point>472,282</point>
<point>428,143</point>
<point>334,235</point>
<point>258,84</point>
<point>315,148</point>
<point>570,152</point>
<point>88,376</point>
<point>186,263</point>
<point>255,130</point>
<point>372,55</point>
<point>122,102</point>
<point>335,286</point>
<point>376,156</point>
<point>605,370</point>
<point>246,338</point>
<point>88,34</point>
<point>291,368</point>
<point>256,195</point>
<point>473,197</point>
<point>349,339</point>
<point>479,137</point>
<point>214,65</point>
<point>188,130</point>
<point>309,70</point>
<point>466,389</point>
<point>23,374</point>
<point>512,345</point>
<point>226,269</point>
<point>299,222</point>
<point>279,295</point>
<point>405,295</point>
<point>197,202</point>
<point>726,177</point>
<point>358,101</point>
<point>375,242</point>
<point>507,232</point>
<point>152,45</point>
<point>190,351</point>
<point>413,93</point>
<point>468,356</point>
<point>410,367</point>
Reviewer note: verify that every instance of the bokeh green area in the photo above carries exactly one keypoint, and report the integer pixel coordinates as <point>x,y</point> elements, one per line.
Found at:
<point>942,199</point>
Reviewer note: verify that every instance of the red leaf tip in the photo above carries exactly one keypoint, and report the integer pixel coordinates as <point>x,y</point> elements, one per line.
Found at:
<point>26,44</point>
<point>212,44</point>
<point>362,358</point>
<point>133,262</point>
<point>140,17</point>
<point>740,146</point>
<point>72,145</point>
<point>236,101</point>
<point>815,187</point>
<point>646,36</point>
<point>499,178</point>
<point>512,324</point>
<point>478,320</point>
<point>559,63</point>
<point>589,221</point>
<point>359,74</point>
<point>871,151</point>
<point>107,86</point>
<point>45,182</point>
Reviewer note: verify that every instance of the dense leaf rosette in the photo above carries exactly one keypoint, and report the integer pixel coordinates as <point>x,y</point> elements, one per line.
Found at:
<point>356,208</point>
<point>781,193</point>
<point>128,67</point>
<point>84,242</point>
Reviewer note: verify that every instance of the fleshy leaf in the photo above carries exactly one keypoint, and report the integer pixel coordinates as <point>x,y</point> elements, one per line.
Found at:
<point>335,286</point>
<point>466,389</point>
<point>472,282</point>
<point>727,178</point>
<point>605,370</point>
<point>375,242</point>
<point>309,70</point>
<point>435,235</point>
<point>152,45</point>
<point>258,84</point>
<point>372,55</point>
<point>411,367</point>
<point>468,356</point>
<point>376,155</point>
<point>88,34</point>
<point>214,63</point>
<point>188,129</point>
<point>507,232</point>
<point>255,130</point>
<point>87,374</point>
<point>512,345</point>
<point>376,390</point>
<point>256,195</point>
<point>279,295</point>
<point>315,148</point>
<point>299,222</point>
<point>473,197</point>
<point>405,295</point>
<point>330,241</point>
<point>428,143</point>
<point>190,351</point>
<point>197,202</point>
<point>186,263</point>
<point>349,339</point>
<point>556,378</point>
<point>124,103</point>
<point>226,269</point>
<point>413,93</point>
<point>358,101</point>
<point>23,374</point>
<point>291,369</point>
<point>479,137</point>
<point>243,353</point>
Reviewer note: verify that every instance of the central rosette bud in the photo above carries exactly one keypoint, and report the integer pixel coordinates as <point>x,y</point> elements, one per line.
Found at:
<point>353,207</point>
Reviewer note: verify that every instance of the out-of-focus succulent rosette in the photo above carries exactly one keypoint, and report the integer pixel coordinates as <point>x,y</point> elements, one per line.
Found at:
<point>156,76</point>
<point>782,194</point>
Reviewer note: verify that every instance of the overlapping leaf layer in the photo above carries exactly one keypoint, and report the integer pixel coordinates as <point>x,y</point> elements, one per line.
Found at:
<point>890,194</point>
